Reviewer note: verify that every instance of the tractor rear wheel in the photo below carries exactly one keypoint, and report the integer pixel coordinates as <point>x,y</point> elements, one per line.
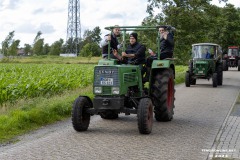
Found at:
<point>163,95</point>
<point>224,65</point>
<point>219,74</point>
<point>238,65</point>
<point>187,79</point>
<point>214,79</point>
<point>80,118</point>
<point>145,116</point>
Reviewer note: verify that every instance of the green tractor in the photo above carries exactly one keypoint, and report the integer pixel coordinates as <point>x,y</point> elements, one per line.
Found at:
<point>206,63</point>
<point>119,88</point>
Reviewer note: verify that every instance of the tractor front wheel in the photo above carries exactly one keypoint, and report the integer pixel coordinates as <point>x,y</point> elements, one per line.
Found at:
<point>145,116</point>
<point>214,79</point>
<point>187,79</point>
<point>80,118</point>
<point>163,95</point>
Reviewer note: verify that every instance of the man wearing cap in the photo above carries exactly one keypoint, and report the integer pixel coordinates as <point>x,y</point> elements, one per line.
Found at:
<point>166,43</point>
<point>114,45</point>
<point>135,52</point>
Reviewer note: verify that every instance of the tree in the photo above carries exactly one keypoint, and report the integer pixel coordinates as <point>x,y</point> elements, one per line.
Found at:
<point>56,47</point>
<point>230,27</point>
<point>92,36</point>
<point>13,49</point>
<point>7,42</point>
<point>90,49</point>
<point>38,36</point>
<point>38,47</point>
<point>38,44</point>
<point>27,48</point>
<point>46,49</point>
<point>70,45</point>
<point>90,42</point>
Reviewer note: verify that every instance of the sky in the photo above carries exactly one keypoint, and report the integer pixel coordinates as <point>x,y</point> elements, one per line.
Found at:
<point>27,17</point>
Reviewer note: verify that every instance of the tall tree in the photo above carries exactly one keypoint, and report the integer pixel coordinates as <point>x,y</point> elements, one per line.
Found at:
<point>13,49</point>
<point>92,36</point>
<point>46,49</point>
<point>90,49</point>
<point>7,42</point>
<point>38,36</point>
<point>38,47</point>
<point>56,47</point>
<point>27,48</point>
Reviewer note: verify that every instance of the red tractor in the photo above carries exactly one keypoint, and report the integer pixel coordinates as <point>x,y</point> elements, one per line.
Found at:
<point>232,58</point>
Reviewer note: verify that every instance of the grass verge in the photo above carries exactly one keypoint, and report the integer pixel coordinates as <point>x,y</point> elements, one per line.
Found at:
<point>34,113</point>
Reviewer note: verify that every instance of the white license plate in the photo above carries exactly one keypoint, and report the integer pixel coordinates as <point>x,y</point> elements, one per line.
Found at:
<point>200,71</point>
<point>106,81</point>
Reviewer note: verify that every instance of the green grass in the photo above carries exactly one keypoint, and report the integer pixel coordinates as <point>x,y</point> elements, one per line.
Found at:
<point>51,60</point>
<point>34,113</point>
<point>180,74</point>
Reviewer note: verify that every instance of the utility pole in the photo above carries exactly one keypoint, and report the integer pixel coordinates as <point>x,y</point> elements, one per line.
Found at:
<point>73,27</point>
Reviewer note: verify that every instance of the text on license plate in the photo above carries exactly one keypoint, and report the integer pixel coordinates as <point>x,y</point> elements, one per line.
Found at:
<point>200,71</point>
<point>106,81</point>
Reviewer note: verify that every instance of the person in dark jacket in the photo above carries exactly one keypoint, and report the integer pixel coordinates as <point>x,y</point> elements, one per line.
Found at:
<point>166,43</point>
<point>166,48</point>
<point>114,45</point>
<point>135,52</point>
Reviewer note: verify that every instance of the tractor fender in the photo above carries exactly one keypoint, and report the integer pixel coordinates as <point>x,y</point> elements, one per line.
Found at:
<point>89,99</point>
<point>159,65</point>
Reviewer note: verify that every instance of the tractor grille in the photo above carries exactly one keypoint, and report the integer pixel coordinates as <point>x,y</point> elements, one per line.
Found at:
<point>201,69</point>
<point>107,90</point>
<point>106,76</point>
<point>129,77</point>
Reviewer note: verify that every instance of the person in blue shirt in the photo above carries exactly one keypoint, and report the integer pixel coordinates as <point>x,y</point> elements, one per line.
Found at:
<point>208,55</point>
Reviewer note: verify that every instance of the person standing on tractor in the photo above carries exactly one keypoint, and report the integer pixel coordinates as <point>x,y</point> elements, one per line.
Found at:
<point>166,43</point>
<point>114,44</point>
<point>166,48</point>
<point>135,52</point>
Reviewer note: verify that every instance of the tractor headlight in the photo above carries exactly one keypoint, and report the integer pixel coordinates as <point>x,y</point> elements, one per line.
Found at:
<point>98,90</point>
<point>115,90</point>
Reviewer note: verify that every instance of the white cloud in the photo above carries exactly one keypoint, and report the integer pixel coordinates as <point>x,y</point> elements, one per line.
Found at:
<point>27,17</point>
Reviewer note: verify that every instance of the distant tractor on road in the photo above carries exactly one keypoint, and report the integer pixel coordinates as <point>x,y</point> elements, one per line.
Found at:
<point>206,63</point>
<point>232,58</point>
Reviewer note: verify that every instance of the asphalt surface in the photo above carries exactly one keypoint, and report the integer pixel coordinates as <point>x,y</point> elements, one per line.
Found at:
<point>200,112</point>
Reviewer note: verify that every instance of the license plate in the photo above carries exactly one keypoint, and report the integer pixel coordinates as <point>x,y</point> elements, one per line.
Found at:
<point>200,71</point>
<point>106,81</point>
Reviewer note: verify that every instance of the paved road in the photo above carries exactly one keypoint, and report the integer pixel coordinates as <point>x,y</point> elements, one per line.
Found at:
<point>199,114</point>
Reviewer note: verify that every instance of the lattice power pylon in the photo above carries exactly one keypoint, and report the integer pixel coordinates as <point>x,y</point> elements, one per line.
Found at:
<point>74,26</point>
